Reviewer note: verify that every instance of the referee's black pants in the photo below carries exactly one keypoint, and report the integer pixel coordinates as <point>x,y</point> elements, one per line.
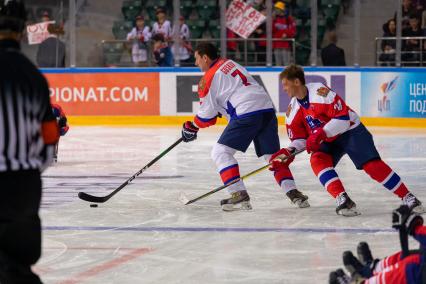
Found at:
<point>20,230</point>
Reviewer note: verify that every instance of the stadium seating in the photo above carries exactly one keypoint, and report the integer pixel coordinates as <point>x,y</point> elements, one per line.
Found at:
<point>186,8</point>
<point>201,17</point>
<point>112,53</point>
<point>206,8</point>
<point>120,29</point>
<point>196,27</point>
<point>214,28</point>
<point>131,9</point>
<point>153,5</point>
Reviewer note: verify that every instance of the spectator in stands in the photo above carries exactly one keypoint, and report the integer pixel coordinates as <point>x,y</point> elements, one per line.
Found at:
<point>283,27</point>
<point>412,45</point>
<point>139,35</point>
<point>388,45</point>
<point>162,25</point>
<point>408,9</point>
<point>419,6</point>
<point>332,55</point>
<point>182,50</point>
<point>231,45</point>
<point>424,22</point>
<point>162,52</point>
<point>51,52</point>
<point>260,33</point>
<point>45,17</point>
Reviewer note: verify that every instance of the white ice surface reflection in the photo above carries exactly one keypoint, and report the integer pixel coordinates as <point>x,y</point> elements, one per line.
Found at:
<point>145,235</point>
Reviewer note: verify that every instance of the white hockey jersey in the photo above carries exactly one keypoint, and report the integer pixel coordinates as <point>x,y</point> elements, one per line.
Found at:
<point>227,88</point>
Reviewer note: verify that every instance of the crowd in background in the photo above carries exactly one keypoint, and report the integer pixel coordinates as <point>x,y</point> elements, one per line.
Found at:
<point>413,25</point>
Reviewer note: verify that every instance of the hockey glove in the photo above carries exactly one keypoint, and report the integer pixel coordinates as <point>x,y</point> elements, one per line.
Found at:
<point>281,159</point>
<point>314,140</point>
<point>189,131</point>
<point>403,218</point>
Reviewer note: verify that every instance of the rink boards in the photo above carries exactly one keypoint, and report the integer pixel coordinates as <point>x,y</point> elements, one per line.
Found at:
<point>148,96</point>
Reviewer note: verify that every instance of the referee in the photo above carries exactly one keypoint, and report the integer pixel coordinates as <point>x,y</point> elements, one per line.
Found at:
<point>27,131</point>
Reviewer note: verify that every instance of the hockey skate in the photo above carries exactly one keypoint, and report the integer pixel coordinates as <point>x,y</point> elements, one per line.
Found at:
<point>339,277</point>
<point>413,203</point>
<point>298,198</point>
<point>239,200</point>
<point>365,257</point>
<point>354,266</point>
<point>345,206</point>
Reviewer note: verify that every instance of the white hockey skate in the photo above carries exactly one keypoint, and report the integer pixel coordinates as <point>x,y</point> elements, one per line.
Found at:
<point>413,203</point>
<point>239,200</point>
<point>298,198</point>
<point>345,206</point>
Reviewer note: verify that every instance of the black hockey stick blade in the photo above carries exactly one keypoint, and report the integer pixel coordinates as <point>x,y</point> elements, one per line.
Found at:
<point>101,199</point>
<point>91,198</point>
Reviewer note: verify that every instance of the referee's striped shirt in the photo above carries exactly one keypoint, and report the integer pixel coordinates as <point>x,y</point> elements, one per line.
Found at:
<point>24,105</point>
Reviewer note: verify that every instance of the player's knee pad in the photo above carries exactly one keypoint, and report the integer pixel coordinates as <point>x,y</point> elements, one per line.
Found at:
<point>223,155</point>
<point>320,161</point>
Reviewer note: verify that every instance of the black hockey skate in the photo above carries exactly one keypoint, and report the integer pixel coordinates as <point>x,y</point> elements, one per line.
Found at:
<point>345,206</point>
<point>339,277</point>
<point>365,257</point>
<point>354,266</point>
<point>239,200</point>
<point>298,198</point>
<point>413,203</point>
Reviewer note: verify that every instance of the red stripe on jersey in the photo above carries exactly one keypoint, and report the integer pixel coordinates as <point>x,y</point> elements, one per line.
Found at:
<point>203,123</point>
<point>206,81</point>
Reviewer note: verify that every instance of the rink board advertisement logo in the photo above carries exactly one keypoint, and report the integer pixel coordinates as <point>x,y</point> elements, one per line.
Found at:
<point>187,92</point>
<point>393,94</point>
<point>335,81</point>
<point>106,93</point>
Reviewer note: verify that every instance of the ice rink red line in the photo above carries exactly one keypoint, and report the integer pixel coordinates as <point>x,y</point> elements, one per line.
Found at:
<point>88,248</point>
<point>97,269</point>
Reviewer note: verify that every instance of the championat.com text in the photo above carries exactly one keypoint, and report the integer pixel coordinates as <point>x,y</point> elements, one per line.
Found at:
<point>99,94</point>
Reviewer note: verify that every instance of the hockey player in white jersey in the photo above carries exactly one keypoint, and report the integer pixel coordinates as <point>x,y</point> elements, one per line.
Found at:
<point>228,89</point>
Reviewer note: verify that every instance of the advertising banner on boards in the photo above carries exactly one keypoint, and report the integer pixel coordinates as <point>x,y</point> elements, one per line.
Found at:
<point>106,93</point>
<point>393,94</point>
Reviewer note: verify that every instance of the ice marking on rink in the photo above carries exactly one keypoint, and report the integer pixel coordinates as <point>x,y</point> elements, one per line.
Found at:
<point>222,229</point>
<point>97,269</point>
<point>112,177</point>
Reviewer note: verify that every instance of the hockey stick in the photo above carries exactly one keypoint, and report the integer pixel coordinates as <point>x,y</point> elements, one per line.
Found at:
<point>185,200</point>
<point>101,199</point>
<point>403,238</point>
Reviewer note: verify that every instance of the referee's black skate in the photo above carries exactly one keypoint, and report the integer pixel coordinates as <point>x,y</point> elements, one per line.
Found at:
<point>345,206</point>
<point>239,200</point>
<point>298,198</point>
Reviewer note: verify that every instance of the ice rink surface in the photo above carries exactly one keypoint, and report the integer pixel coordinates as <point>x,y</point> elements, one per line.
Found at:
<point>145,235</point>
